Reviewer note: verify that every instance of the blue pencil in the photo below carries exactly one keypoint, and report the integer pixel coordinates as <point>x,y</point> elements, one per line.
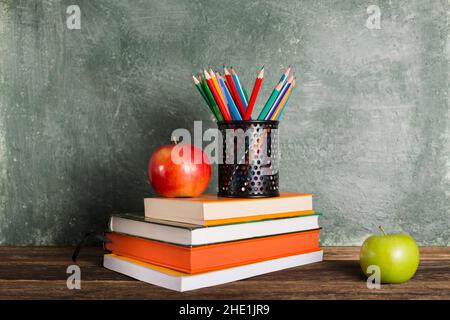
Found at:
<point>285,75</point>
<point>286,102</point>
<point>282,109</point>
<point>279,98</point>
<point>234,111</point>
<point>237,83</point>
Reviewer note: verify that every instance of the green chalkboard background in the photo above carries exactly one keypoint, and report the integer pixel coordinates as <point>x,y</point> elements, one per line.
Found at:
<point>367,129</point>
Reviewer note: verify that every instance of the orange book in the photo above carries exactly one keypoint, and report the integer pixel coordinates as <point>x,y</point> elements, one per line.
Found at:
<point>196,259</point>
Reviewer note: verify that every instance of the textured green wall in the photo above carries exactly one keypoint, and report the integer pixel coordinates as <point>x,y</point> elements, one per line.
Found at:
<point>367,130</point>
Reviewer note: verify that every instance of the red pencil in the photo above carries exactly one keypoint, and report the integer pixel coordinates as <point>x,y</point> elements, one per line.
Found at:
<point>254,95</point>
<point>222,107</point>
<point>235,93</point>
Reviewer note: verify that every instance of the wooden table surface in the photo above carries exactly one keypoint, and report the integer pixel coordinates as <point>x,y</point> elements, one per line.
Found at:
<point>40,273</point>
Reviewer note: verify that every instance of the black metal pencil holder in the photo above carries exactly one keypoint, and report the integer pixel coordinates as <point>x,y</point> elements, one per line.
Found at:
<point>250,159</point>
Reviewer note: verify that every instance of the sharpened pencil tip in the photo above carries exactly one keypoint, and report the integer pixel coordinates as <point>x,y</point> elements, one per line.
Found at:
<point>286,72</point>
<point>195,80</point>
<point>279,85</point>
<point>261,73</point>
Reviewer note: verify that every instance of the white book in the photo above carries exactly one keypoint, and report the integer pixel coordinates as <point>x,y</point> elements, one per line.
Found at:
<point>178,281</point>
<point>213,210</point>
<point>193,235</point>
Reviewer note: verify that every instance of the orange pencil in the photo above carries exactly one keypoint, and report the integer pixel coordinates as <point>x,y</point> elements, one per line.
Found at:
<point>280,96</point>
<point>216,84</point>
<point>283,102</point>
<point>254,95</point>
<point>221,104</point>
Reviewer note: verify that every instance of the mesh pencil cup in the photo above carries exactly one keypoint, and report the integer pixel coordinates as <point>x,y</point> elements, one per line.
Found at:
<point>250,159</point>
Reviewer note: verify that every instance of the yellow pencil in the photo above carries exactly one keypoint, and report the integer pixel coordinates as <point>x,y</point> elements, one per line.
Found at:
<point>280,107</point>
<point>216,84</point>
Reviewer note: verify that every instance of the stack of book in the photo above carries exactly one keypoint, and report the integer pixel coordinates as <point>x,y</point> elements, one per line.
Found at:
<point>189,243</point>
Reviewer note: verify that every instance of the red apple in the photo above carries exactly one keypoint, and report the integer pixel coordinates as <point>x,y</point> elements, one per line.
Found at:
<point>173,175</point>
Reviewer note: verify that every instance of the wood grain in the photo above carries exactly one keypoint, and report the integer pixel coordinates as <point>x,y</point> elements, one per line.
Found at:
<point>40,273</point>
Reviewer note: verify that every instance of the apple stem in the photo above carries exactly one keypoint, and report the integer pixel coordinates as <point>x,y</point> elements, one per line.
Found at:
<point>382,230</point>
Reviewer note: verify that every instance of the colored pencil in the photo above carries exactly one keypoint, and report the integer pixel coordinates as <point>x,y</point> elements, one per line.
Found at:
<point>227,99</point>
<point>219,101</point>
<point>238,85</point>
<point>283,102</point>
<point>254,95</point>
<point>245,94</point>
<point>226,80</point>
<point>274,94</point>
<point>200,89</point>
<point>210,96</point>
<point>234,112</point>
<point>279,98</point>
<point>237,98</point>
<point>217,75</point>
<point>285,75</point>
<point>229,88</point>
<point>214,107</point>
<point>279,115</point>
<point>270,101</point>
<point>199,86</point>
<point>216,83</point>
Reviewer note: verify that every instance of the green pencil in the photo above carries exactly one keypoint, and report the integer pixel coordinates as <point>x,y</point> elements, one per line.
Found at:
<point>270,102</point>
<point>200,89</point>
<point>245,94</point>
<point>212,105</point>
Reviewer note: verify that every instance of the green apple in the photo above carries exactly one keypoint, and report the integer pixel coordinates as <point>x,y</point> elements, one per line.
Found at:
<point>397,256</point>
